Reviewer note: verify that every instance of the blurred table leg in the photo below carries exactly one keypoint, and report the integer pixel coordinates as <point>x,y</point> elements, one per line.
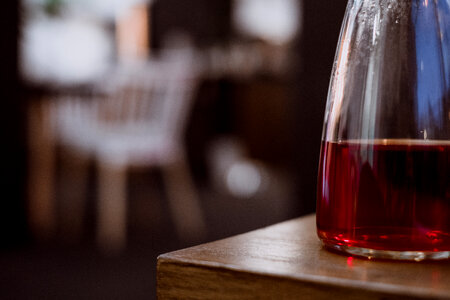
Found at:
<point>73,194</point>
<point>112,207</point>
<point>41,204</point>
<point>184,202</point>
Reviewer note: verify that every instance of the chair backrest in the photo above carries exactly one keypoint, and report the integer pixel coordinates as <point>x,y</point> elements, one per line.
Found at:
<point>137,104</point>
<point>155,94</point>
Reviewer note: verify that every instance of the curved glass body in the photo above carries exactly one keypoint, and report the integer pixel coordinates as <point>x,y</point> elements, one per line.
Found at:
<point>384,177</point>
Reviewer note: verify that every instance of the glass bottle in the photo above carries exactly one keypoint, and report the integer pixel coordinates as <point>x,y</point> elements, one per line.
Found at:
<point>384,175</point>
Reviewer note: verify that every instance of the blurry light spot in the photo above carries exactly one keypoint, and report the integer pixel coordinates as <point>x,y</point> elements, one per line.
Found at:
<point>243,179</point>
<point>350,261</point>
<point>275,21</point>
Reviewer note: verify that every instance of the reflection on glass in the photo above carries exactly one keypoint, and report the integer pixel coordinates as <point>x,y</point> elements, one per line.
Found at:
<point>432,51</point>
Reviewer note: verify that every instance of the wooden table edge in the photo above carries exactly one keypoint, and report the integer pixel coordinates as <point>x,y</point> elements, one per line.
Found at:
<point>341,283</point>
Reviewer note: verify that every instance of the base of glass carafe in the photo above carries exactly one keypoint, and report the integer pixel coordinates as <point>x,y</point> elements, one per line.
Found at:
<point>389,254</point>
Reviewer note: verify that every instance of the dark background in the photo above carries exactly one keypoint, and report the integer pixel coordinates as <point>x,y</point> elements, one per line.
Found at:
<point>12,205</point>
<point>30,268</point>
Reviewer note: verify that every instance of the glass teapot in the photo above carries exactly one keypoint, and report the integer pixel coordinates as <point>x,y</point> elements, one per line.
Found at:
<point>384,174</point>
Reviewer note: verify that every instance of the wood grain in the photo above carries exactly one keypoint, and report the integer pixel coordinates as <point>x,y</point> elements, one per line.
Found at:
<point>287,261</point>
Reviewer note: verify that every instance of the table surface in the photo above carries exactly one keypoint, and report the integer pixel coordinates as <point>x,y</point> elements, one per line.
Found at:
<point>287,260</point>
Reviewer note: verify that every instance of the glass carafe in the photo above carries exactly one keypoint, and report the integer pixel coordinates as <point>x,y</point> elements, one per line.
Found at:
<point>384,175</point>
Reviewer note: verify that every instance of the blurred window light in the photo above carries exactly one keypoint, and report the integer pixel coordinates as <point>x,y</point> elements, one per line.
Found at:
<point>69,41</point>
<point>111,8</point>
<point>275,21</point>
<point>107,9</point>
<point>64,50</point>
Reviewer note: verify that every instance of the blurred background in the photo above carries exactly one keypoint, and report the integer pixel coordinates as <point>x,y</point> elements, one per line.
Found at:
<point>95,188</point>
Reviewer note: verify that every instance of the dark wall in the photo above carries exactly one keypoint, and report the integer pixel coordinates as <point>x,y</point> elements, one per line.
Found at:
<point>12,203</point>
<point>317,46</point>
<point>207,21</point>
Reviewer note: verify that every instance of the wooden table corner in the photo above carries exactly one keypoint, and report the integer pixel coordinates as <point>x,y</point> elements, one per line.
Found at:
<point>287,261</point>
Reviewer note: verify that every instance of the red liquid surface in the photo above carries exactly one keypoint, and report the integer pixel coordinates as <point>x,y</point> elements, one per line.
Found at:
<point>385,195</point>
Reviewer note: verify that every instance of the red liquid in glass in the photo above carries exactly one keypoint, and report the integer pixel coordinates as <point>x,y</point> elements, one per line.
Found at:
<point>385,195</point>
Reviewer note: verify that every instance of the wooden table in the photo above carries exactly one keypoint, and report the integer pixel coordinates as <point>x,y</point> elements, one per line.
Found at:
<point>287,261</point>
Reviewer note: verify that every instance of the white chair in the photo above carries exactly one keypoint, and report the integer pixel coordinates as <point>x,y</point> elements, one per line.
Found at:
<point>139,121</point>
